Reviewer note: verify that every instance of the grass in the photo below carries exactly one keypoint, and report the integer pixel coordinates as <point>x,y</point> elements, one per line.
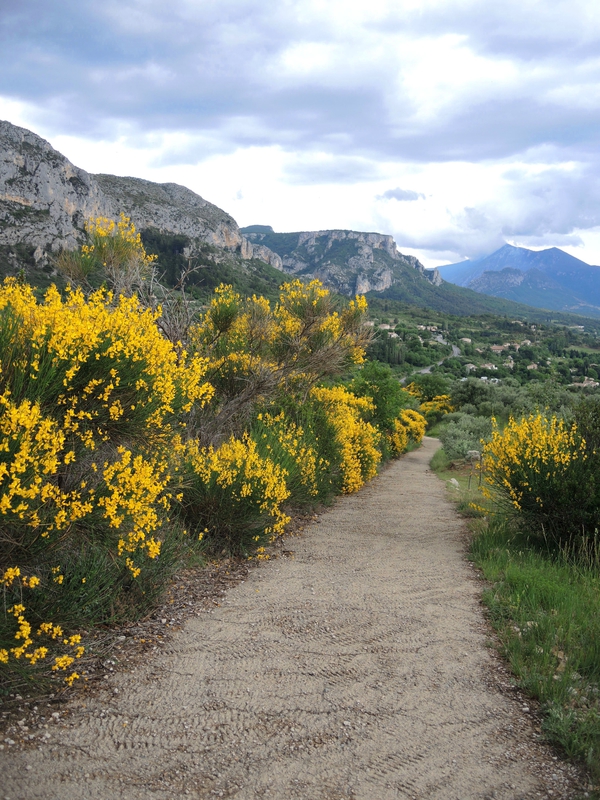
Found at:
<point>545,608</point>
<point>546,611</point>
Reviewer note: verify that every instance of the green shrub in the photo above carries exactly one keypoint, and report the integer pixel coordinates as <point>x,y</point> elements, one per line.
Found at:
<point>377,381</point>
<point>464,433</point>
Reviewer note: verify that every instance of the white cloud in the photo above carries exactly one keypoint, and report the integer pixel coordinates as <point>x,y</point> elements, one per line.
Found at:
<point>305,114</point>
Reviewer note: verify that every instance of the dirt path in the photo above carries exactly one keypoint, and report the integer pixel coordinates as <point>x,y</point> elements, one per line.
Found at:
<point>354,668</point>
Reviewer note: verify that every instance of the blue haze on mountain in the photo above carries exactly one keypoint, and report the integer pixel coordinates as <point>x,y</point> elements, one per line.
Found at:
<point>543,278</point>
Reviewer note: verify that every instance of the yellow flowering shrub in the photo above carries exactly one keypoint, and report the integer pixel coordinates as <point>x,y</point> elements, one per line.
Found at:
<point>101,461</point>
<point>34,643</point>
<point>398,438</point>
<point>107,365</point>
<point>541,468</point>
<point>232,494</point>
<point>415,424</point>
<point>409,427</point>
<point>356,439</point>
<point>295,448</point>
<point>91,396</point>
<point>81,376</point>
<point>413,389</point>
<point>113,254</point>
<point>256,349</point>
<point>440,405</point>
<point>31,453</point>
<point>377,382</point>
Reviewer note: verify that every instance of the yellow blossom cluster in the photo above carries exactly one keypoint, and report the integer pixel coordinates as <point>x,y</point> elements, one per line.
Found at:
<point>132,494</point>
<point>398,438</point>
<point>91,396</point>
<point>32,451</point>
<point>292,440</point>
<point>441,403</point>
<point>415,423</point>
<point>531,458</point>
<point>99,372</point>
<point>409,426</point>
<point>245,485</point>
<point>96,347</point>
<point>103,228</point>
<point>413,389</point>
<point>27,639</point>
<point>356,439</point>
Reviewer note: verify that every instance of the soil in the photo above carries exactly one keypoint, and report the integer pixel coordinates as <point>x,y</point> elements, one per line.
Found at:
<point>357,664</point>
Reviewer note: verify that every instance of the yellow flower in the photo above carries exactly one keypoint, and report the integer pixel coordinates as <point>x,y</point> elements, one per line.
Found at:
<point>357,439</point>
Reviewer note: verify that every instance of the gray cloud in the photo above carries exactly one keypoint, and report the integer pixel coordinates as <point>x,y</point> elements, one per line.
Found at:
<point>195,67</point>
<point>542,209</point>
<point>215,71</point>
<point>451,243</point>
<point>553,202</point>
<point>309,169</point>
<point>401,195</point>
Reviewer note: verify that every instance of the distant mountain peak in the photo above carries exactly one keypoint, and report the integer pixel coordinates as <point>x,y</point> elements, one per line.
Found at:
<point>555,279</point>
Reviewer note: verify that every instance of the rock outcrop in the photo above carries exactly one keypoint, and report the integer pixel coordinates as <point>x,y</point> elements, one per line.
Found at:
<point>349,261</point>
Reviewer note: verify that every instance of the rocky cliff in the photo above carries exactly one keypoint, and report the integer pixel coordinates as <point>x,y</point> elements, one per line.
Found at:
<point>349,261</point>
<point>45,200</point>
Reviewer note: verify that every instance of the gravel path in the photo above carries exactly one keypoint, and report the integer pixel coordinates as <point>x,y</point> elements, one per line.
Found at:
<point>356,667</point>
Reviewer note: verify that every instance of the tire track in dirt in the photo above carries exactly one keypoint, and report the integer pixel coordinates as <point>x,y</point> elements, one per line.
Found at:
<point>355,669</point>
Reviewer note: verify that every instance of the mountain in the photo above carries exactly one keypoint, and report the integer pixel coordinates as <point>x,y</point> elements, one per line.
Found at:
<point>548,278</point>
<point>45,201</point>
<point>348,261</point>
<point>351,262</point>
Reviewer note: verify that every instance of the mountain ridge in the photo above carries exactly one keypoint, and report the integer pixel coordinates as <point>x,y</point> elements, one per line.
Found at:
<point>352,262</point>
<point>556,280</point>
<point>45,201</point>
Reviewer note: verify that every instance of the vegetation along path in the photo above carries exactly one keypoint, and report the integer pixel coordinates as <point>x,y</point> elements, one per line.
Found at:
<point>356,667</point>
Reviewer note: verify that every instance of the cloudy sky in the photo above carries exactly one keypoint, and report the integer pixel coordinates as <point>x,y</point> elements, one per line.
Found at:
<point>454,125</point>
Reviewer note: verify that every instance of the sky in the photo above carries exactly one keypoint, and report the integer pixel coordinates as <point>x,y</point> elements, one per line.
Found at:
<point>453,125</point>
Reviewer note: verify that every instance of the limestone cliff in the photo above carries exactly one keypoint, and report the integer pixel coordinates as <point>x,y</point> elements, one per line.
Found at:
<point>349,261</point>
<point>45,200</point>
